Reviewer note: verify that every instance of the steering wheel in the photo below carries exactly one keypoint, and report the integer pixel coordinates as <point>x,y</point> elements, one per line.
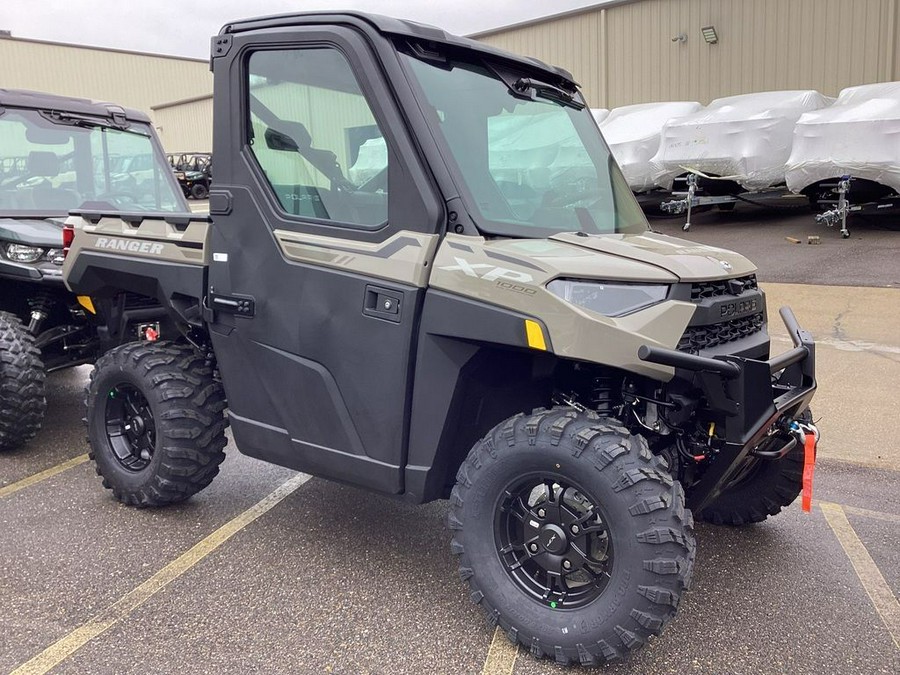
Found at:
<point>22,180</point>
<point>585,197</point>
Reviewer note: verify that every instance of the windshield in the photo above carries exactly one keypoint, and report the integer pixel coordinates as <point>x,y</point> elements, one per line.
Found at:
<point>49,167</point>
<point>531,167</point>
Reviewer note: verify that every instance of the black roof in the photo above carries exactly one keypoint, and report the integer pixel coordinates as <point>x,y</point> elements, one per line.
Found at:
<point>390,26</point>
<point>36,100</point>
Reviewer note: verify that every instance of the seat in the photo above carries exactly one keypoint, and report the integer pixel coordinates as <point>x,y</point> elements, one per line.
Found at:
<point>44,195</point>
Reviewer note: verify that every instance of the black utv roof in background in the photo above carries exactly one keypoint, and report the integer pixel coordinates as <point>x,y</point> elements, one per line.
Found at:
<point>390,26</point>
<point>36,100</point>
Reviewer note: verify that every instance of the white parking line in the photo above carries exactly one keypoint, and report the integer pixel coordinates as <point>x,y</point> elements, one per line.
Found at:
<point>847,345</point>
<point>124,606</point>
<point>868,513</point>
<point>869,575</point>
<point>501,657</point>
<point>7,490</point>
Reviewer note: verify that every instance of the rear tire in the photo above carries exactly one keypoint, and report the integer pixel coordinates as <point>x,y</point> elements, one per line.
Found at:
<point>772,486</point>
<point>156,424</point>
<point>22,400</point>
<point>557,601</point>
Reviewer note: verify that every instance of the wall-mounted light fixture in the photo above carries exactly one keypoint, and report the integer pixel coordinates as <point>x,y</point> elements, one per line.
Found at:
<point>681,37</point>
<point>710,35</point>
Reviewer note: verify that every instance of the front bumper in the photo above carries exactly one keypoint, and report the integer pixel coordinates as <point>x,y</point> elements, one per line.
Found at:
<point>40,271</point>
<point>748,396</point>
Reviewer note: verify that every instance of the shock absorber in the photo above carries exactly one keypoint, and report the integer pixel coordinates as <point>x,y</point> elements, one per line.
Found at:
<point>601,394</point>
<point>40,304</point>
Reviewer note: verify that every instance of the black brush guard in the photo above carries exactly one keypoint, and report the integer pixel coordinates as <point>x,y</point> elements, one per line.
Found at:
<point>750,396</point>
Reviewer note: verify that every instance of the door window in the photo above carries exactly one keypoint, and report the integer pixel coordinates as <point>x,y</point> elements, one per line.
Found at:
<point>315,138</point>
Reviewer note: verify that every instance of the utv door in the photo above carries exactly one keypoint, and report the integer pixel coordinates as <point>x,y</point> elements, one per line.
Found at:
<point>324,229</point>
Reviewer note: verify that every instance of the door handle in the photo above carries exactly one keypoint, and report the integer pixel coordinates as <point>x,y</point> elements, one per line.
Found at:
<point>383,303</point>
<point>239,305</point>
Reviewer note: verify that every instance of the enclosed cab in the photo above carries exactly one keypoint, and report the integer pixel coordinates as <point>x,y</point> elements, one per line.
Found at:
<point>58,154</point>
<point>446,321</point>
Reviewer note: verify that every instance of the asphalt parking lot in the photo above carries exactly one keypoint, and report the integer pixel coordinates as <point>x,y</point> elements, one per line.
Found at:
<point>266,571</point>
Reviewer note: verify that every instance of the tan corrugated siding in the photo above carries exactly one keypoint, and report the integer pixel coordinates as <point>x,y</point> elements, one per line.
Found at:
<point>892,58</point>
<point>133,80</point>
<point>186,127</point>
<point>763,44</point>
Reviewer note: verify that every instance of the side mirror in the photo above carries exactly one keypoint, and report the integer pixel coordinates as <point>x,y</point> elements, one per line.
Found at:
<point>277,140</point>
<point>288,135</point>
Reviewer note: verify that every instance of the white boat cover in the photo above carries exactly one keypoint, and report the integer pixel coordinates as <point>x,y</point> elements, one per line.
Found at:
<point>371,160</point>
<point>521,149</point>
<point>859,135</point>
<point>633,133</point>
<point>745,138</point>
<point>599,114</point>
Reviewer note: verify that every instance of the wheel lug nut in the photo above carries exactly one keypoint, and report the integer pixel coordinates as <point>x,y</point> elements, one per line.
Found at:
<point>575,529</point>
<point>567,564</point>
<point>541,513</point>
<point>533,548</point>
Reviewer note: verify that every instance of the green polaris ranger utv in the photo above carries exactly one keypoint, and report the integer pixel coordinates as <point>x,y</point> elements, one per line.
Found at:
<point>193,171</point>
<point>484,317</point>
<point>59,153</point>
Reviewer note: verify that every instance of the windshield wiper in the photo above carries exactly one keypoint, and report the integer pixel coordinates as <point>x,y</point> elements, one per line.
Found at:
<point>530,87</point>
<point>117,121</point>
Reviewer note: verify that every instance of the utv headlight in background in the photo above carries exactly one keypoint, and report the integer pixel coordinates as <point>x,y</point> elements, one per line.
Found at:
<point>55,255</point>
<point>23,254</point>
<point>609,299</point>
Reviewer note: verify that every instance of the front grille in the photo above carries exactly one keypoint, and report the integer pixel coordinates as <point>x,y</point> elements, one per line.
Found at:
<point>137,301</point>
<point>697,338</point>
<point>713,289</point>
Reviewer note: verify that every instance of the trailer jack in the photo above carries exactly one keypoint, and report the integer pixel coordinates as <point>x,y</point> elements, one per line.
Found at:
<point>840,212</point>
<point>690,199</point>
<point>686,203</point>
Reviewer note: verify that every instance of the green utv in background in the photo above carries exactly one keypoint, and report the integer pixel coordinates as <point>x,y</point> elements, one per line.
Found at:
<point>389,294</point>
<point>193,171</point>
<point>58,154</point>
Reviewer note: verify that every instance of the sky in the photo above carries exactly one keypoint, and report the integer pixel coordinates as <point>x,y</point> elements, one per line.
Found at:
<point>183,27</point>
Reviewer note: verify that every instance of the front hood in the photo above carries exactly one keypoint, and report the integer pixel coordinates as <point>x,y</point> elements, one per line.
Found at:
<point>44,232</point>
<point>687,260</point>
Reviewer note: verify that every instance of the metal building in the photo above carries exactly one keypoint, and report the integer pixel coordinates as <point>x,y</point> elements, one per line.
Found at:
<point>185,124</point>
<point>639,51</point>
<point>622,51</point>
<point>132,79</point>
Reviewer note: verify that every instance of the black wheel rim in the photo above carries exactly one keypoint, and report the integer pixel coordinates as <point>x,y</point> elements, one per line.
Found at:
<point>130,427</point>
<point>554,541</point>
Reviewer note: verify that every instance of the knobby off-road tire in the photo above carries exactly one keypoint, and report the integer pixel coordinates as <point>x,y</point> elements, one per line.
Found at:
<point>156,424</point>
<point>199,191</point>
<point>22,401</point>
<point>594,473</point>
<point>769,487</point>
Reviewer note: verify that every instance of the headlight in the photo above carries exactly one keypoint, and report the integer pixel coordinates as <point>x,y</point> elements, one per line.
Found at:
<point>614,299</point>
<point>23,254</point>
<point>56,256</point>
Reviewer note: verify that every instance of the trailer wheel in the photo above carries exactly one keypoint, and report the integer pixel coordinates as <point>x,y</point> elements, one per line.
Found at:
<point>767,488</point>
<point>572,535</point>
<point>22,401</point>
<point>155,423</point>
